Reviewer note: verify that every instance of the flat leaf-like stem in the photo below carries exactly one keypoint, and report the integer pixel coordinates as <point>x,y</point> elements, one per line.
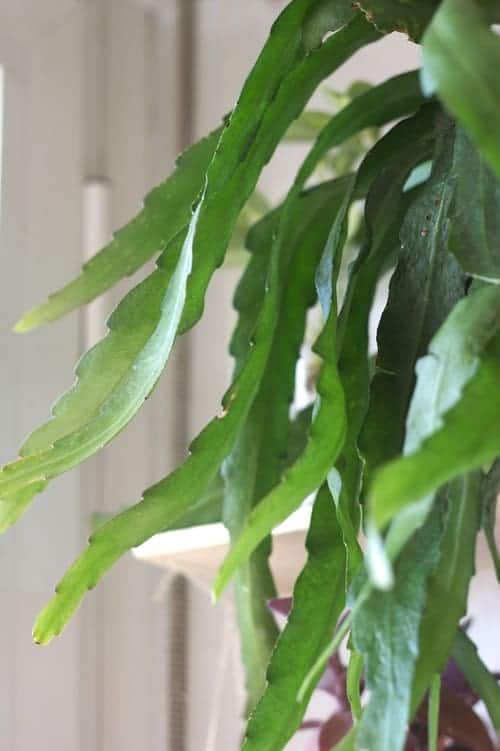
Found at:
<point>318,600</point>
<point>172,497</point>
<point>390,659</point>
<point>167,212</point>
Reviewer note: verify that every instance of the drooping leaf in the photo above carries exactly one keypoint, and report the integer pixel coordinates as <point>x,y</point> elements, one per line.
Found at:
<point>407,16</point>
<point>385,209</point>
<point>491,491</point>
<point>319,597</point>
<point>311,469</point>
<point>280,84</point>
<point>449,583</point>
<point>114,379</point>
<point>167,211</point>
<point>461,55</point>
<point>389,657</point>
<point>204,243</point>
<point>207,510</point>
<point>256,462</point>
<point>478,676</point>
<point>425,286</point>
<point>170,498</point>
<point>474,211</point>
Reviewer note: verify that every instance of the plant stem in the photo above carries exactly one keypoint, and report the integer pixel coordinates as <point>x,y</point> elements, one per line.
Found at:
<point>478,675</point>
<point>434,705</point>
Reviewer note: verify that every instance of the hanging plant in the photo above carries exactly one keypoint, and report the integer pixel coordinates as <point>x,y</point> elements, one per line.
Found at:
<point>406,449</point>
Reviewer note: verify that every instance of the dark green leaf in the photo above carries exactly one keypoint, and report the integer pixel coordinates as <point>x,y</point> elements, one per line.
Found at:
<point>167,211</point>
<point>384,212</point>
<point>319,597</point>
<point>474,211</point>
<point>386,632</point>
<point>407,16</point>
<point>461,57</point>
<point>425,286</point>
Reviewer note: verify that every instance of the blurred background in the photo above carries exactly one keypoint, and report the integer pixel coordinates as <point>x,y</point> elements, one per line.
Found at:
<point>96,99</point>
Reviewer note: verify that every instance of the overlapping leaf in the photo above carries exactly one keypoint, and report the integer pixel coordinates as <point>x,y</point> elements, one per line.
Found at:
<point>390,658</point>
<point>284,77</point>
<point>167,211</point>
<point>453,359</point>
<point>318,599</point>
<point>311,469</point>
<point>163,503</point>
<point>257,461</point>
<point>385,209</point>
<point>461,55</point>
<point>425,286</point>
<point>449,583</point>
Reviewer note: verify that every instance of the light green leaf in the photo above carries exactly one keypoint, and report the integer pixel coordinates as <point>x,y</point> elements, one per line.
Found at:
<point>318,599</point>
<point>114,379</point>
<point>449,583</point>
<point>461,56</point>
<point>474,211</point>
<point>407,16</point>
<point>386,632</point>
<point>167,211</point>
